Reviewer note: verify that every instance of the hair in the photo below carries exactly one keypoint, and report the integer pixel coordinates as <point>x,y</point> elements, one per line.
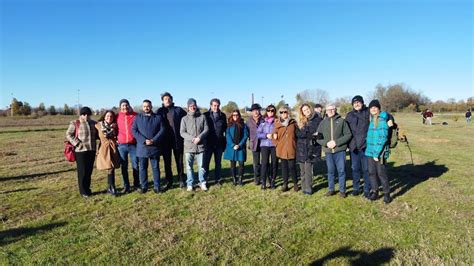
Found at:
<point>85,111</point>
<point>147,101</point>
<point>302,119</point>
<point>215,100</point>
<point>273,107</point>
<point>102,117</point>
<point>231,122</point>
<point>166,94</point>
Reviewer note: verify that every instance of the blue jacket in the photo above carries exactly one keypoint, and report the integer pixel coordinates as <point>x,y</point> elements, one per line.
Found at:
<point>241,153</point>
<point>262,131</point>
<point>172,137</point>
<point>148,127</point>
<point>377,138</point>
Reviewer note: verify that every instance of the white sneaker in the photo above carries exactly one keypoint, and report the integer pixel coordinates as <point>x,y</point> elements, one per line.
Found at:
<point>190,188</point>
<point>203,186</point>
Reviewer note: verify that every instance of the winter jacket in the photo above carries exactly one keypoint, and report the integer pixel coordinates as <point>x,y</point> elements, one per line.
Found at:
<point>358,123</point>
<point>305,150</point>
<point>108,156</point>
<point>172,136</point>
<point>148,127</point>
<point>378,138</point>
<point>194,125</point>
<point>125,123</point>
<point>252,125</point>
<point>263,129</point>
<point>337,129</point>
<point>217,128</point>
<point>286,139</point>
<point>240,154</point>
<point>86,135</point>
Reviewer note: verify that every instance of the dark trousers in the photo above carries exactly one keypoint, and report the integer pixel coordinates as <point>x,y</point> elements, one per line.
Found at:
<point>256,165</point>
<point>268,153</point>
<point>377,172</point>
<point>217,152</point>
<point>85,165</point>
<point>306,170</point>
<point>288,167</point>
<point>178,158</point>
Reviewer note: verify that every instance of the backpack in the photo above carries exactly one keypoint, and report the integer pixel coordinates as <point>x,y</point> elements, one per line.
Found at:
<point>393,136</point>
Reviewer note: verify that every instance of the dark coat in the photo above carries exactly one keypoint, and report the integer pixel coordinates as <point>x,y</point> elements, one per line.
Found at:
<point>148,127</point>
<point>334,128</point>
<point>358,123</point>
<point>172,137</point>
<point>252,125</point>
<point>217,127</point>
<point>305,150</point>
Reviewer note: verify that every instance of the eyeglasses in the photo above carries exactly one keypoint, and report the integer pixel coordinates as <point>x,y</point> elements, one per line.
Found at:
<point>283,112</point>
<point>271,110</point>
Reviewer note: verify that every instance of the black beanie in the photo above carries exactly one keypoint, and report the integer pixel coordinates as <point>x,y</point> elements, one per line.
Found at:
<point>375,103</point>
<point>85,111</point>
<point>123,101</point>
<point>357,98</point>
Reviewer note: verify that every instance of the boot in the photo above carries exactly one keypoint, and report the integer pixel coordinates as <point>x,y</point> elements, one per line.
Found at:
<point>386,198</point>
<point>296,188</point>
<point>111,182</point>
<point>169,183</point>
<point>234,178</point>
<point>374,195</point>
<point>264,183</point>
<point>272,182</point>
<point>241,175</point>
<point>257,180</point>
<point>136,179</point>
<point>284,188</point>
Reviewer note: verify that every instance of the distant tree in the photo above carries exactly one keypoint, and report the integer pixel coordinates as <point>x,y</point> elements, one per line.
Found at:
<point>25,109</point>
<point>229,107</point>
<point>16,105</point>
<point>398,96</point>
<point>52,110</point>
<point>312,96</point>
<point>41,107</point>
<point>67,110</point>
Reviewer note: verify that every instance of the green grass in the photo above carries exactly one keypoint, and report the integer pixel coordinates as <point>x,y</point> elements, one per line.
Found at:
<point>44,219</point>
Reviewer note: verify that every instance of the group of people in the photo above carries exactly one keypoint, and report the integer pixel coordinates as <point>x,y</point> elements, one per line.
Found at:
<point>274,137</point>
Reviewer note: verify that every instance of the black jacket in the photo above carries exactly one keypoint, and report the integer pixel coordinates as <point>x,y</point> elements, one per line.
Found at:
<point>217,127</point>
<point>359,124</point>
<point>305,150</point>
<point>172,136</point>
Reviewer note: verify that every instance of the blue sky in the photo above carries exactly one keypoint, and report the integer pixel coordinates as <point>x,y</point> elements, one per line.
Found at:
<point>228,49</point>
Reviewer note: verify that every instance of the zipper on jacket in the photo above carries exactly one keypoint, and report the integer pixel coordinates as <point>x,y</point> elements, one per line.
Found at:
<point>332,132</point>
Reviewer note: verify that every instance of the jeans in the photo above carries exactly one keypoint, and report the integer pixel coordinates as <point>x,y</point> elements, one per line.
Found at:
<point>124,151</point>
<point>336,161</point>
<point>217,152</point>
<point>155,161</point>
<point>190,156</point>
<point>377,172</point>
<point>359,168</point>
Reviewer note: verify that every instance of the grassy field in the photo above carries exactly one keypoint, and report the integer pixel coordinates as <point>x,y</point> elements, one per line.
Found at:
<point>44,220</point>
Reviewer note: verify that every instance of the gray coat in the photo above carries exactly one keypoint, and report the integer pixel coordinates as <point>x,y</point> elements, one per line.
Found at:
<point>194,125</point>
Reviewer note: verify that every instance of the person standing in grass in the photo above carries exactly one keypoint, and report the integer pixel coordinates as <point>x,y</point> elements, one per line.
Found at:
<point>108,157</point>
<point>127,144</point>
<point>468,117</point>
<point>173,142</point>
<point>267,147</point>
<point>285,142</point>
<point>83,135</point>
<point>216,139</point>
<point>307,154</point>
<point>235,151</point>
<point>194,130</point>
<point>253,123</point>
<point>149,129</point>
<point>378,151</point>
<point>335,137</point>
<point>428,117</point>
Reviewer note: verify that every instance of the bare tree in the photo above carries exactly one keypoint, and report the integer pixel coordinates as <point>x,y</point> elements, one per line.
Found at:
<point>313,96</point>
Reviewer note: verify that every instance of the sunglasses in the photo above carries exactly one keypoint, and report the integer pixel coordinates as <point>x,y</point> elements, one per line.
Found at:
<point>283,112</point>
<point>271,110</point>
<point>235,115</point>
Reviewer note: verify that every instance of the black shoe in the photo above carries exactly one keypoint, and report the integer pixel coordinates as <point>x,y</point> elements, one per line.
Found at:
<point>263,187</point>
<point>373,195</point>
<point>355,193</point>
<point>342,194</point>
<point>142,190</point>
<point>126,190</point>
<point>330,193</point>
<point>387,199</point>
<point>169,186</point>
<point>296,188</point>
<point>157,190</point>
<point>182,184</point>
<point>112,191</point>
<point>284,188</point>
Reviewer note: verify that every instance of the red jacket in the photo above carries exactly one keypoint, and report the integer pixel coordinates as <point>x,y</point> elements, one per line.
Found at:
<point>124,123</point>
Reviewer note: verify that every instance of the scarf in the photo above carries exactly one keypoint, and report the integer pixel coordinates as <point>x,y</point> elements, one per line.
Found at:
<point>238,132</point>
<point>108,130</point>
<point>285,122</point>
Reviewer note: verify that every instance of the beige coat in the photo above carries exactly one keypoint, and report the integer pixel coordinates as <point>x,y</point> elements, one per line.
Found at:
<point>107,153</point>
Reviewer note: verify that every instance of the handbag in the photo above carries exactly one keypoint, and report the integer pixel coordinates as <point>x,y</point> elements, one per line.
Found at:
<point>68,147</point>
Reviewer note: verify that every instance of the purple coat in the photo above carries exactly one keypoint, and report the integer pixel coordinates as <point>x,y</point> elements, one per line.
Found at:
<point>253,126</point>
<point>264,129</point>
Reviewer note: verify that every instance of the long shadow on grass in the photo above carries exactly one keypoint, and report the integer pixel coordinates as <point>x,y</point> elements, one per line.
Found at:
<point>17,234</point>
<point>32,130</point>
<point>405,177</point>
<point>21,177</point>
<point>18,190</point>
<point>356,257</point>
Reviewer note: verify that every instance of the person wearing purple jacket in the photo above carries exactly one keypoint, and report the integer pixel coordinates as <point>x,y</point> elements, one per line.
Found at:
<point>267,147</point>
<point>252,124</point>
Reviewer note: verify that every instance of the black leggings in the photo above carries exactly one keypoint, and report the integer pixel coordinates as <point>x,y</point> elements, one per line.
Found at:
<point>268,152</point>
<point>288,166</point>
<point>85,165</point>
<point>233,168</point>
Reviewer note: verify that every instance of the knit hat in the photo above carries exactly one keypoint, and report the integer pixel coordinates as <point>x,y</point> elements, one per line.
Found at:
<point>357,98</point>
<point>375,103</point>
<point>191,101</point>
<point>166,94</point>
<point>124,101</point>
<point>85,111</point>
